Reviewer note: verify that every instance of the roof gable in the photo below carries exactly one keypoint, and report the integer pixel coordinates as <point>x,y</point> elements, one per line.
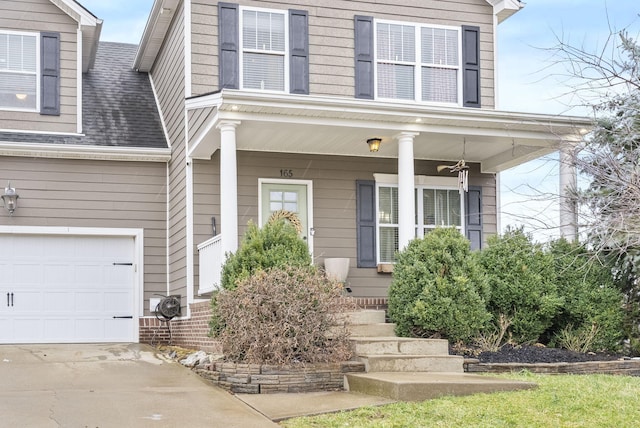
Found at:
<point>91,27</point>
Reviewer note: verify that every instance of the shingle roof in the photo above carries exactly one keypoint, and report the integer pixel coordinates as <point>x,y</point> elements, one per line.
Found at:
<point>119,107</point>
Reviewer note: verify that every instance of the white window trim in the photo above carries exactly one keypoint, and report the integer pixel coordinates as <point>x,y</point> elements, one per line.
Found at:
<point>420,182</point>
<point>38,72</point>
<point>285,13</point>
<point>417,64</point>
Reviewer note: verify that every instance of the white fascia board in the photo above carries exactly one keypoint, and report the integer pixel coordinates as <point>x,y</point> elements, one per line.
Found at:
<point>503,9</point>
<point>77,12</point>
<point>69,151</point>
<point>332,108</point>
<point>155,31</point>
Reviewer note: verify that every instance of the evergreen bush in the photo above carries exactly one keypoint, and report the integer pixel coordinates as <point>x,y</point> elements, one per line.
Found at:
<point>522,282</point>
<point>592,303</point>
<point>438,288</point>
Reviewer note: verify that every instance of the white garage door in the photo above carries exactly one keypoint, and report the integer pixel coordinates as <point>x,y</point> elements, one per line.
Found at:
<point>66,289</point>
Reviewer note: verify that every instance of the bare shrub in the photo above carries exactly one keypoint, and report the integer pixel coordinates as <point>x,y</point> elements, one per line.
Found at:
<point>284,316</point>
<point>492,341</point>
<point>578,340</point>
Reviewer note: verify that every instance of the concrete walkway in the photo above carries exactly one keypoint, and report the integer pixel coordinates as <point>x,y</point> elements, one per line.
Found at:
<point>110,385</point>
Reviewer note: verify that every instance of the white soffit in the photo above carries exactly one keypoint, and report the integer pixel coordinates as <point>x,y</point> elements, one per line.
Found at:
<point>503,9</point>
<point>157,26</point>
<point>91,27</point>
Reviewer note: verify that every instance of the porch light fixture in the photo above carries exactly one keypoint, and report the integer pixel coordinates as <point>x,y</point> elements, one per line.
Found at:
<point>10,199</point>
<point>374,144</point>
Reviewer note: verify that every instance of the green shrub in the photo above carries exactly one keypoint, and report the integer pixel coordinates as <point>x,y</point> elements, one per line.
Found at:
<point>438,288</point>
<point>284,316</point>
<point>276,244</point>
<point>593,306</point>
<point>522,281</point>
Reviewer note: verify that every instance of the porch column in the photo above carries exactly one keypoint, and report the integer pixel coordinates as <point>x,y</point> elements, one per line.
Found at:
<point>406,192</point>
<point>228,186</point>
<point>568,184</point>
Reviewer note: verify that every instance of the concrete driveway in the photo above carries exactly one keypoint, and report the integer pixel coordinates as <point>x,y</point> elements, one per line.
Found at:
<point>110,385</point>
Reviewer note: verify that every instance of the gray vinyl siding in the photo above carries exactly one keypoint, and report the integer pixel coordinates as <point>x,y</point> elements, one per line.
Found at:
<point>168,78</point>
<point>94,194</point>
<point>331,38</point>
<point>334,202</point>
<point>197,120</point>
<point>38,16</point>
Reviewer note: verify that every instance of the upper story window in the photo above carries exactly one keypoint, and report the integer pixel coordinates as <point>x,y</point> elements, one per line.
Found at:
<point>19,65</point>
<point>264,50</point>
<point>417,62</point>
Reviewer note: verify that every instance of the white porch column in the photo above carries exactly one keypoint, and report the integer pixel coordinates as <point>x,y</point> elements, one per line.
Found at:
<point>228,186</point>
<point>406,192</point>
<point>568,183</point>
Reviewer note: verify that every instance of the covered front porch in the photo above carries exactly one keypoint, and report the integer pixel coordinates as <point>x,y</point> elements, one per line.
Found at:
<point>224,124</point>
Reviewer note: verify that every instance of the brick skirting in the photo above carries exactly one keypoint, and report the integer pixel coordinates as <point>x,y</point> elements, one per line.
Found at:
<point>193,333</point>
<point>266,379</point>
<point>190,333</point>
<point>617,367</point>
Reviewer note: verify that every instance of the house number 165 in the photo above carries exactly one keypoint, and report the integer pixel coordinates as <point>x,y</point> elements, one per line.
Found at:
<point>288,173</point>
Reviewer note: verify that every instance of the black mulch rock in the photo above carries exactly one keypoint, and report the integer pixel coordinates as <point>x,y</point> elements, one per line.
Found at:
<point>541,354</point>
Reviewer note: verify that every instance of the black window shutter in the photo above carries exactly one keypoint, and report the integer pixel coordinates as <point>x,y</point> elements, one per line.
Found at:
<point>50,74</point>
<point>299,51</point>
<point>471,66</point>
<point>366,223</point>
<point>364,56</point>
<point>473,216</point>
<point>228,45</point>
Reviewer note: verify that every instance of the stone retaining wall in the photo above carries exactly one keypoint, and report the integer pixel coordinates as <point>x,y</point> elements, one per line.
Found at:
<point>618,367</point>
<point>265,379</point>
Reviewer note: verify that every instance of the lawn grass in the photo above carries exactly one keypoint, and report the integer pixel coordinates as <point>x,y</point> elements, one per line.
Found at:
<point>559,401</point>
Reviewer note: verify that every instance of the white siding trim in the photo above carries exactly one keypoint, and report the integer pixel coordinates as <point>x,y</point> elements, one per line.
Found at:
<point>187,48</point>
<point>79,99</point>
<point>136,234</point>
<point>155,97</point>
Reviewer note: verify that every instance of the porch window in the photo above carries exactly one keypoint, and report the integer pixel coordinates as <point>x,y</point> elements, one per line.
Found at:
<point>263,49</point>
<point>435,207</point>
<point>18,71</point>
<point>416,62</point>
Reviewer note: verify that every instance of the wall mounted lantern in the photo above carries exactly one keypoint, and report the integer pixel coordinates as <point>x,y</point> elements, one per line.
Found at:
<point>374,144</point>
<point>10,198</point>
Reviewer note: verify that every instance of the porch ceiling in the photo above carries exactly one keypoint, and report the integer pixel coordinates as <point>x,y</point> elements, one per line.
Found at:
<point>317,125</point>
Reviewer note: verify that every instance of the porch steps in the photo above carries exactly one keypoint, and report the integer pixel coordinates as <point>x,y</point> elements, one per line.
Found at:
<point>426,386</point>
<point>410,369</point>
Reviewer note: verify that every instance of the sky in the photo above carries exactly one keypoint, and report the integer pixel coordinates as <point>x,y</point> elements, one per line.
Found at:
<point>528,79</point>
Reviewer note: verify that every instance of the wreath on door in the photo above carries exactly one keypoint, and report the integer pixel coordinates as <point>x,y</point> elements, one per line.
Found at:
<point>288,216</point>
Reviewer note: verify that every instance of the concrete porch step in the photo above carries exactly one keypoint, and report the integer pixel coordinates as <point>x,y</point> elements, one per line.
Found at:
<point>372,330</point>
<point>425,386</point>
<point>366,316</point>
<point>392,345</point>
<point>412,363</point>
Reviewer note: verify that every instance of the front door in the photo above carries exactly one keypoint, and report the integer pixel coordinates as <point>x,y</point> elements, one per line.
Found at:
<point>293,197</point>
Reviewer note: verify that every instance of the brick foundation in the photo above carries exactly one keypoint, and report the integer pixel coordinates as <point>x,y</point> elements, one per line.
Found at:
<point>618,367</point>
<point>191,333</point>
<point>266,379</point>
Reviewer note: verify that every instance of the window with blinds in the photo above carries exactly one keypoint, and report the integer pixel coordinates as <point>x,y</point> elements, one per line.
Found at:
<point>415,62</point>
<point>434,208</point>
<point>18,71</point>
<point>263,50</point>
